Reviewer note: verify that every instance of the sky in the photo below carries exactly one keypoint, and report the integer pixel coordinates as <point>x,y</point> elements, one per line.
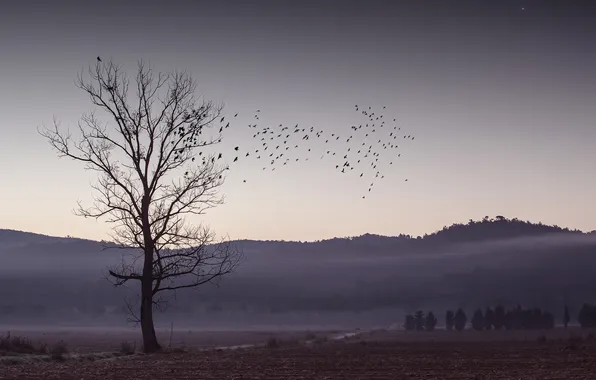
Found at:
<point>500,96</point>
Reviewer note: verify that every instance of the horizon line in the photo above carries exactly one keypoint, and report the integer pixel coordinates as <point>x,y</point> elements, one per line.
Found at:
<point>490,220</point>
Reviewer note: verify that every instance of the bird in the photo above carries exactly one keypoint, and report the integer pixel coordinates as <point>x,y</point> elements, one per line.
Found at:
<point>98,59</point>
<point>365,148</point>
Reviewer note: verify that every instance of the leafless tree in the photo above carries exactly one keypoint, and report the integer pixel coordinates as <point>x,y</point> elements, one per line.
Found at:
<point>154,170</point>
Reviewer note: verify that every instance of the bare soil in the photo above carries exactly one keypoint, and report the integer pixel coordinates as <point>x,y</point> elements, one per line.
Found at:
<point>377,355</point>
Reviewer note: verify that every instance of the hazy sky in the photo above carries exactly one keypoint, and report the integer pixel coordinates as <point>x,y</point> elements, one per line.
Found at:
<point>499,94</point>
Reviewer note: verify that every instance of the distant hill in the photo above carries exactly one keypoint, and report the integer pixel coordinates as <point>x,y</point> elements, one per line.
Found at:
<point>13,237</point>
<point>466,264</point>
<point>487,229</point>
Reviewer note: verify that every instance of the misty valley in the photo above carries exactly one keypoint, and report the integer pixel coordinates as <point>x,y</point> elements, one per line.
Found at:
<point>368,281</point>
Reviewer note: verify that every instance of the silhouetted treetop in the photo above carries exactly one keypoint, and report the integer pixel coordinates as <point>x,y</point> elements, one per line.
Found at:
<point>494,228</point>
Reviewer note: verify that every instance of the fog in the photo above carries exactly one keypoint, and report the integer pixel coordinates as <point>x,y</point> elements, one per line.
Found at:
<point>361,282</point>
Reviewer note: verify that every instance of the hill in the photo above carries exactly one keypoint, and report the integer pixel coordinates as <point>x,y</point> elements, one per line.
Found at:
<point>476,263</point>
<point>487,229</point>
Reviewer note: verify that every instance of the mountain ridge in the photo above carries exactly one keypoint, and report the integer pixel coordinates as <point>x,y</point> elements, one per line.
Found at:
<point>513,227</point>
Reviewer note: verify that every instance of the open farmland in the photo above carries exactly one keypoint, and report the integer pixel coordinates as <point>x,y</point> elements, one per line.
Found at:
<point>378,355</point>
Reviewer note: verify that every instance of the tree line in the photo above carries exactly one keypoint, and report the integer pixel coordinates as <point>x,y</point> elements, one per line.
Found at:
<point>499,318</point>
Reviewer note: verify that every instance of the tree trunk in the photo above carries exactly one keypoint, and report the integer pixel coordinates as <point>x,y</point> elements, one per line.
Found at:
<point>150,343</point>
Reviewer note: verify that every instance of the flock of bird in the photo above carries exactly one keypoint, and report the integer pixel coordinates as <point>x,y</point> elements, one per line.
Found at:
<point>364,149</point>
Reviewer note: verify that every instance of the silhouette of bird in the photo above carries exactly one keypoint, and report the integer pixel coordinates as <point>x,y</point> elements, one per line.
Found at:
<point>98,59</point>
<point>366,148</point>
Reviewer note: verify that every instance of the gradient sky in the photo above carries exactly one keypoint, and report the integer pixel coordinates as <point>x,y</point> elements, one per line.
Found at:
<point>500,95</point>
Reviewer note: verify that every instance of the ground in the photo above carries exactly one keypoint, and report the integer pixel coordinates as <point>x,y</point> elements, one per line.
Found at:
<point>377,355</point>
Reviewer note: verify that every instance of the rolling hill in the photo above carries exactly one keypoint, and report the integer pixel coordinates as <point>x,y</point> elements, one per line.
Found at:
<point>473,264</point>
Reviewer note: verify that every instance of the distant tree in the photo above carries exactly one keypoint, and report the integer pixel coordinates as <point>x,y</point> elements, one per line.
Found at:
<point>523,319</point>
<point>508,320</point>
<point>583,317</point>
<point>419,319</point>
<point>527,319</point>
<point>587,316</point>
<point>430,321</point>
<point>517,318</point>
<point>477,320</point>
<point>410,323</point>
<point>536,319</point>
<point>499,317</point>
<point>548,321</point>
<point>449,316</point>
<point>566,317</point>
<point>489,318</point>
<point>460,320</point>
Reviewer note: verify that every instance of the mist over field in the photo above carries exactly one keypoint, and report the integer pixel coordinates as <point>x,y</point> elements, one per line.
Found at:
<point>367,281</point>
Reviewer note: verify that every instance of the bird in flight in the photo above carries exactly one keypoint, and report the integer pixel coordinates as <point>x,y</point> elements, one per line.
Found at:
<point>367,149</point>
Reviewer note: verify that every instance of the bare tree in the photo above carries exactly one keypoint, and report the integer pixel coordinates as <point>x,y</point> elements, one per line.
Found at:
<point>154,171</point>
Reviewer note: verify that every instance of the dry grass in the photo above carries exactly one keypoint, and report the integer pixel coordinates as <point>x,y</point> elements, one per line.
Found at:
<point>15,344</point>
<point>87,341</point>
<point>376,355</point>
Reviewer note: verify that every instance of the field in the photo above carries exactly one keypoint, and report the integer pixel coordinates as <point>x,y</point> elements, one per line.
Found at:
<point>557,354</point>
